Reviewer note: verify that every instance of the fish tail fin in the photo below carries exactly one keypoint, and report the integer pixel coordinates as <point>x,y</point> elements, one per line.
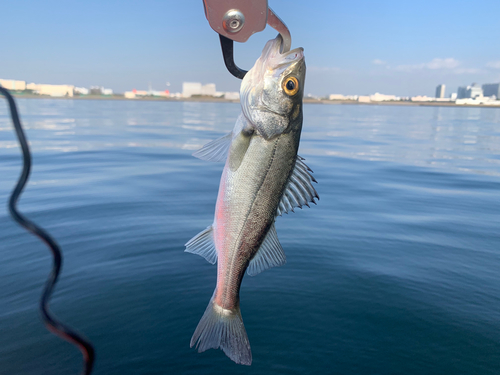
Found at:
<point>223,328</point>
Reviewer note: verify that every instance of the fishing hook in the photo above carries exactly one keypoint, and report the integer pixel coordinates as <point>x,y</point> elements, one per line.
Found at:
<point>50,321</point>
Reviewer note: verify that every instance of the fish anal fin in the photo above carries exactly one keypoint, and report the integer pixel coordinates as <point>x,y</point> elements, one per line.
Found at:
<point>203,245</point>
<point>270,254</point>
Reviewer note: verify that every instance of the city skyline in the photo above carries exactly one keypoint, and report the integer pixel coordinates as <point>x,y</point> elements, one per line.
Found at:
<point>487,90</point>
<point>357,48</point>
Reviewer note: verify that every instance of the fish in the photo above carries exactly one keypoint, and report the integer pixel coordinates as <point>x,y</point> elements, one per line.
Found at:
<point>263,178</point>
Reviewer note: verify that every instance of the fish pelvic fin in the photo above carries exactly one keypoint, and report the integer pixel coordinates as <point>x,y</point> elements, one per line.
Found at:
<point>224,329</point>
<point>203,245</point>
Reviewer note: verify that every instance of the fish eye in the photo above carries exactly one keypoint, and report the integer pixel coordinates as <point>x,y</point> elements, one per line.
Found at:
<point>291,86</point>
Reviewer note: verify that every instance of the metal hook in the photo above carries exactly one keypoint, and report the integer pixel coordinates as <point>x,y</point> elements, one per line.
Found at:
<point>228,54</point>
<point>227,44</point>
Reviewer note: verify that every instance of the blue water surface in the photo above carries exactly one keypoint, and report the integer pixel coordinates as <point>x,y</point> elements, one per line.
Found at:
<point>395,271</point>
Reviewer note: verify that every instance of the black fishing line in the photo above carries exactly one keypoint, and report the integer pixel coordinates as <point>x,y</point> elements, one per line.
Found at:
<point>50,321</point>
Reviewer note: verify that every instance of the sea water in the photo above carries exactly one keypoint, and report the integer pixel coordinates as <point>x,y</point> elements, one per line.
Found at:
<point>395,271</point>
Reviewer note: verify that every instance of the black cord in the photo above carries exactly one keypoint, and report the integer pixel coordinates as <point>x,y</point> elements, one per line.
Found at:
<point>51,322</point>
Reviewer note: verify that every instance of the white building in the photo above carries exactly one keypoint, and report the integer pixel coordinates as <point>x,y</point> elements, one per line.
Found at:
<point>81,91</point>
<point>51,90</point>
<point>364,99</point>
<point>478,100</point>
<point>208,89</point>
<point>377,97</point>
<point>233,95</point>
<point>336,97</point>
<point>421,98</point>
<point>12,84</point>
<point>190,89</point>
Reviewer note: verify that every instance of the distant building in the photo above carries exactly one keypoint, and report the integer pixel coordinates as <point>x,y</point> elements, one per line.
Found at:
<point>336,97</point>
<point>469,92</point>
<point>162,94</point>
<point>95,90</point>
<point>377,97</point>
<point>81,91</point>
<point>462,92</point>
<point>453,96</point>
<point>491,89</point>
<point>440,91</point>
<point>108,92</point>
<point>479,100</point>
<point>474,91</point>
<point>364,99</point>
<point>51,90</point>
<point>11,84</point>
<point>421,98</point>
<point>232,95</point>
<point>208,89</point>
<point>190,89</point>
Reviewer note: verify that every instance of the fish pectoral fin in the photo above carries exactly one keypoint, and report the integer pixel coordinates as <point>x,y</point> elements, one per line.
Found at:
<point>203,245</point>
<point>299,190</point>
<point>270,254</point>
<point>216,150</point>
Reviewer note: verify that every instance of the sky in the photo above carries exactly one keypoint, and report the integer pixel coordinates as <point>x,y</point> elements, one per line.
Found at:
<point>395,47</point>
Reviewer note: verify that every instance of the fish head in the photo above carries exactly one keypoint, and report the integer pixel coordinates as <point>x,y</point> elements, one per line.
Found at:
<point>272,91</point>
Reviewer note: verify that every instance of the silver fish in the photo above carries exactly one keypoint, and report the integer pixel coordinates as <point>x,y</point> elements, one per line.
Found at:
<point>263,178</point>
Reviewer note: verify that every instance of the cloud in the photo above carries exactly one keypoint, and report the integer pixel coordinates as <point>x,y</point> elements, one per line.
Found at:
<point>467,71</point>
<point>449,63</point>
<point>493,64</point>
<point>437,63</point>
<point>378,62</point>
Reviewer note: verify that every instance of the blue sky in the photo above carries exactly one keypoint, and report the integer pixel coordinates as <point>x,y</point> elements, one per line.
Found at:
<point>351,47</point>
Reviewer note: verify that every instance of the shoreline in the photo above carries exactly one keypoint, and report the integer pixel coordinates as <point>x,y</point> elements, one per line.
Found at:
<point>222,100</point>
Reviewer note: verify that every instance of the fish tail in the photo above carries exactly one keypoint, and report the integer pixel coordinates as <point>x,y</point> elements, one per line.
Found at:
<point>223,328</point>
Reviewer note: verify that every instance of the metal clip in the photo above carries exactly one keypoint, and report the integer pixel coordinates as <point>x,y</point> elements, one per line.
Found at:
<point>242,20</point>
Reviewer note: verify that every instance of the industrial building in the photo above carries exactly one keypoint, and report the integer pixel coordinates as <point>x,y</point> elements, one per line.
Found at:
<point>469,92</point>
<point>491,89</point>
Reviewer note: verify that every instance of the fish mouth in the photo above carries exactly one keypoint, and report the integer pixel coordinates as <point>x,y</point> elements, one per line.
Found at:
<point>274,50</point>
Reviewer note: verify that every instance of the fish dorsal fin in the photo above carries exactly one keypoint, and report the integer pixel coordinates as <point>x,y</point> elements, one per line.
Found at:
<point>216,150</point>
<point>299,190</point>
<point>270,254</point>
<point>203,245</point>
